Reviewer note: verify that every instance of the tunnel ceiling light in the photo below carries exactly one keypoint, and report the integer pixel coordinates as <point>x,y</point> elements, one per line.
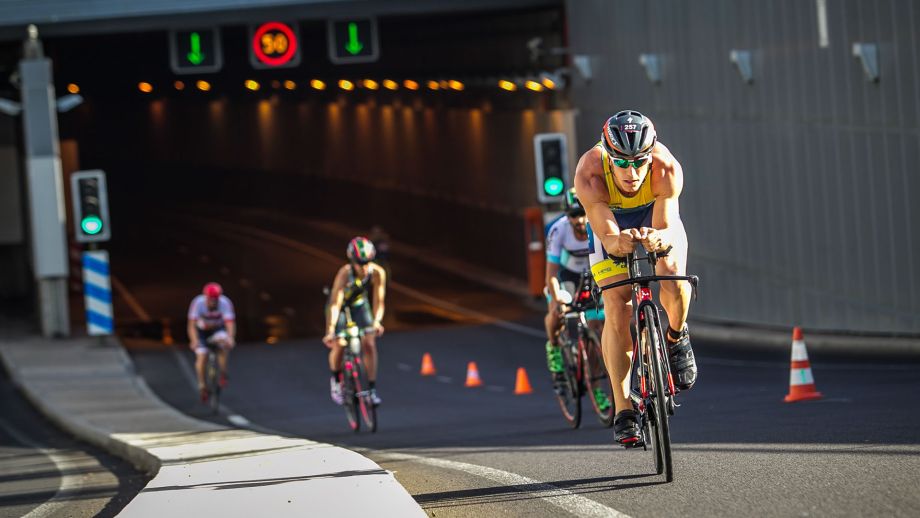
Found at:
<point>455,85</point>
<point>433,85</point>
<point>534,86</point>
<point>290,85</point>
<point>504,84</point>
<point>548,83</point>
<point>410,84</point>
<point>316,84</point>
<point>203,85</point>
<point>389,84</point>
<point>443,84</point>
<point>252,84</point>
<point>145,87</point>
<point>179,85</point>
<point>346,85</point>
<point>73,88</point>
<point>370,84</point>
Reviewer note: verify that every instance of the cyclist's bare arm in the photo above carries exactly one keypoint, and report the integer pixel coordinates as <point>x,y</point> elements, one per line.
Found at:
<point>380,292</point>
<point>552,282</point>
<point>336,298</point>
<point>192,334</point>
<point>230,325</point>
<point>667,183</point>
<point>591,189</point>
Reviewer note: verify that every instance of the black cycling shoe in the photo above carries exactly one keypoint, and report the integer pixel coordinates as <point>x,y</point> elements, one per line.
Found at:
<point>683,363</point>
<point>626,429</point>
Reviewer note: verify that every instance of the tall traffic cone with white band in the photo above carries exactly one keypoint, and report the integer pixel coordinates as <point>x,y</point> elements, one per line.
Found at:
<point>801,382</point>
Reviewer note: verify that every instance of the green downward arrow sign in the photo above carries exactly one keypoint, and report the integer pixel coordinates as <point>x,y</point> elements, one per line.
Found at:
<point>195,56</point>
<point>354,45</point>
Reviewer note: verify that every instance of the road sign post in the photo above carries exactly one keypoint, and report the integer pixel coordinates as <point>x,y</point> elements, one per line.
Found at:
<point>195,51</point>
<point>353,40</point>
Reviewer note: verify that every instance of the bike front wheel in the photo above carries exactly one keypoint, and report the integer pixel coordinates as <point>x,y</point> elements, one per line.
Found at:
<point>658,408</point>
<point>212,375</point>
<point>368,409</point>
<point>568,389</point>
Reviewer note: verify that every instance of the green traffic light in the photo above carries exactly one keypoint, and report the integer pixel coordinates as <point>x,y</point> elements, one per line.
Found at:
<point>91,225</point>
<point>553,186</point>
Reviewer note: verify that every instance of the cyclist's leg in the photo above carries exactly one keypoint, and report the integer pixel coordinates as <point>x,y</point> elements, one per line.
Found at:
<point>362,317</point>
<point>201,356</point>
<point>336,353</point>
<point>675,295</point>
<point>616,341</point>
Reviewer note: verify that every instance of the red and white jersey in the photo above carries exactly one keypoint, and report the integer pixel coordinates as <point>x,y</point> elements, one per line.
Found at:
<point>206,318</point>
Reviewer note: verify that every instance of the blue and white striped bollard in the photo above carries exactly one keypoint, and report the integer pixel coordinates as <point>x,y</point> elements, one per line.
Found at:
<point>97,293</point>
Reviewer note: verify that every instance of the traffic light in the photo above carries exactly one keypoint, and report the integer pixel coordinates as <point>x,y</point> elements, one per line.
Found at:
<point>551,159</point>
<point>90,206</point>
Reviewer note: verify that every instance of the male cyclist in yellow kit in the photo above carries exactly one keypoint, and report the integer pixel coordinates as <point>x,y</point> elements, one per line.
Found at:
<point>629,184</point>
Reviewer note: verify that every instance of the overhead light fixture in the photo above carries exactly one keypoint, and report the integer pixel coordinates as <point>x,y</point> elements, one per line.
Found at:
<point>145,87</point>
<point>410,84</point>
<point>370,84</point>
<point>252,84</point>
<point>73,88</point>
<point>389,84</point>
<point>346,85</point>
<point>433,85</point>
<point>290,85</point>
<point>179,85</point>
<point>504,84</point>
<point>455,85</point>
<point>203,85</point>
<point>533,85</point>
<point>316,84</point>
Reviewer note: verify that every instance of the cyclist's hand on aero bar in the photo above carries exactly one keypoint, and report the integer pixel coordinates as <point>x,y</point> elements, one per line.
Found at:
<point>193,344</point>
<point>625,243</point>
<point>378,328</point>
<point>651,239</point>
<point>329,340</point>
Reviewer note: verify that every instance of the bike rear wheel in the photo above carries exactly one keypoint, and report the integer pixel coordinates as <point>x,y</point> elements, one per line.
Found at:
<point>350,399</point>
<point>658,408</point>
<point>568,390</point>
<point>596,379</point>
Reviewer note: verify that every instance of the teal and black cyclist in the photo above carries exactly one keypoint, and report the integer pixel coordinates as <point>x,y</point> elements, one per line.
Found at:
<point>567,252</point>
<point>359,286</point>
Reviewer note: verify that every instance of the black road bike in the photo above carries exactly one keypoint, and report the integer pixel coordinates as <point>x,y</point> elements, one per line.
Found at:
<point>212,376</point>
<point>355,386</point>
<point>583,362</point>
<point>652,385</point>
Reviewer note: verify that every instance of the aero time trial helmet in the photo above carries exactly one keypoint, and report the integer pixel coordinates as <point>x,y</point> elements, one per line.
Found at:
<point>361,250</point>
<point>212,290</point>
<point>628,134</point>
<point>573,207</point>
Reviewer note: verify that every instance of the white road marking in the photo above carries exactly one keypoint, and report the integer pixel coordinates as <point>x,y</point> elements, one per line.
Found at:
<point>557,496</point>
<point>821,366</point>
<point>238,420</point>
<point>70,484</point>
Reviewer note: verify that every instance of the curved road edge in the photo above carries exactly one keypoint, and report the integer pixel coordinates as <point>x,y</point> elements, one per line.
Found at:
<point>92,392</point>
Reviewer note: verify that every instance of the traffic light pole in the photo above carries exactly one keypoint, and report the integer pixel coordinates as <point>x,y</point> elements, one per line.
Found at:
<point>45,187</point>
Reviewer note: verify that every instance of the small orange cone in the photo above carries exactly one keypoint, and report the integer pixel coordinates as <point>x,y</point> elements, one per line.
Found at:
<point>427,365</point>
<point>801,382</point>
<point>167,333</point>
<point>472,375</point>
<point>522,384</point>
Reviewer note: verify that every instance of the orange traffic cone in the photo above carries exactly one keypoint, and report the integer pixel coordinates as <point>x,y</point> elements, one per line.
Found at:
<point>522,384</point>
<point>801,382</point>
<point>167,332</point>
<point>472,375</point>
<point>427,365</point>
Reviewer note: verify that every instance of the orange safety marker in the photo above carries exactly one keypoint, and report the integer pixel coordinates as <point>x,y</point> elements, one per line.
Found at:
<point>427,366</point>
<point>801,381</point>
<point>167,332</point>
<point>472,375</point>
<point>522,384</point>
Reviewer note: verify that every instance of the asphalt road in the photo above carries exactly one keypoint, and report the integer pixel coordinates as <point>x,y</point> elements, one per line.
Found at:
<point>44,473</point>
<point>738,449</point>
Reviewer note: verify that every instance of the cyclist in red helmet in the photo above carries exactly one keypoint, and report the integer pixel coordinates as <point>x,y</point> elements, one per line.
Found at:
<point>211,319</point>
<point>355,283</point>
<point>629,184</point>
